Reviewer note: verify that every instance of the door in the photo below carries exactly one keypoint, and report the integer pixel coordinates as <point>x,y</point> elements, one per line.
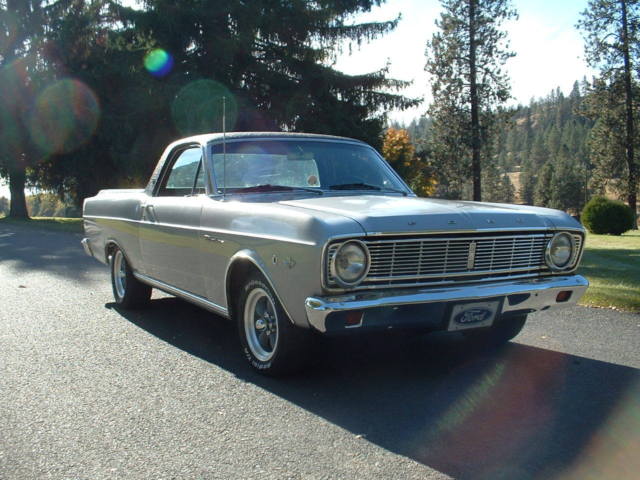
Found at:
<point>170,224</point>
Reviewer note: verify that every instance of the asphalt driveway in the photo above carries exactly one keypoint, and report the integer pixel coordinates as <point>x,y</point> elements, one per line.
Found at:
<point>88,391</point>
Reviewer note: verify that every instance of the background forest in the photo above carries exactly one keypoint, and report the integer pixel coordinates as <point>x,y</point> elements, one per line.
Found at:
<point>92,90</point>
<point>541,156</point>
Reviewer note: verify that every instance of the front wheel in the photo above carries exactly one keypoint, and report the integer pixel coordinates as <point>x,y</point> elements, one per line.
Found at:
<point>128,291</point>
<point>270,341</point>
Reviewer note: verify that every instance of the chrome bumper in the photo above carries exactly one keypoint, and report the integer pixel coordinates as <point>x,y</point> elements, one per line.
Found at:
<point>519,295</point>
<point>86,246</point>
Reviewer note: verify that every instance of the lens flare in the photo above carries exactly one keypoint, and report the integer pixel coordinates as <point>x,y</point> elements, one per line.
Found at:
<point>198,108</point>
<point>64,117</point>
<point>501,422</point>
<point>158,62</point>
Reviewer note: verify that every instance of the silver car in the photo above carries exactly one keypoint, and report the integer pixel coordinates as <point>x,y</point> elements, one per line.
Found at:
<point>295,235</point>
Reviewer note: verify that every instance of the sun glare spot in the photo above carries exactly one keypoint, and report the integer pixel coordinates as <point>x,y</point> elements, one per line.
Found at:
<point>198,107</point>
<point>64,117</point>
<point>158,62</point>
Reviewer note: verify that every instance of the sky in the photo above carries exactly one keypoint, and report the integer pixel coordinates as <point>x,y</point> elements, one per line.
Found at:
<point>549,49</point>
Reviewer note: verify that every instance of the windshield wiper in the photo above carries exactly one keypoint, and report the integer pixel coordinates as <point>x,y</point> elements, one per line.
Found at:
<point>267,187</point>
<point>365,186</point>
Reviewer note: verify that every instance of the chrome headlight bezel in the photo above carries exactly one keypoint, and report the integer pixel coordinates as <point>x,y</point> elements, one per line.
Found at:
<point>549,257</point>
<point>335,269</point>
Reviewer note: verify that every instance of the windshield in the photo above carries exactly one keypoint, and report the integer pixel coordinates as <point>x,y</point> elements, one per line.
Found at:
<point>301,164</point>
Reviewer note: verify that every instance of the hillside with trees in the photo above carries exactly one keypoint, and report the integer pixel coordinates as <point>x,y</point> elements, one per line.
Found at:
<point>555,152</point>
<point>546,143</point>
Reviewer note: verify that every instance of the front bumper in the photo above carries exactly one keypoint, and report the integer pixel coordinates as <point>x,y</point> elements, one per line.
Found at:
<point>86,246</point>
<point>428,305</point>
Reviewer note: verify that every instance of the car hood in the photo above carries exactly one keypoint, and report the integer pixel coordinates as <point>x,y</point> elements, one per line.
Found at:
<point>378,213</point>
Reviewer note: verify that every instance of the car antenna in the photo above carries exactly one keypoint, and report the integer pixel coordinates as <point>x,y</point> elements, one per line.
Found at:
<point>224,147</point>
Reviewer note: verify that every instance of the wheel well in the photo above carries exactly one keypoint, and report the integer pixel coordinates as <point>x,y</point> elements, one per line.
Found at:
<point>109,250</point>
<point>237,275</point>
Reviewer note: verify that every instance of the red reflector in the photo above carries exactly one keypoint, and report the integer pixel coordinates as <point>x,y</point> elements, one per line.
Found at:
<point>352,319</point>
<point>563,296</point>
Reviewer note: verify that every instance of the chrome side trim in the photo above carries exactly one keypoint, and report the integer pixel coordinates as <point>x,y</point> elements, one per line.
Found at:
<point>189,297</point>
<point>542,295</point>
<point>207,230</point>
<point>479,230</point>
<point>86,246</point>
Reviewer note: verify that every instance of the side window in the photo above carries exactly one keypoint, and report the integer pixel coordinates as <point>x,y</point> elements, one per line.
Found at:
<point>179,181</point>
<point>199,187</point>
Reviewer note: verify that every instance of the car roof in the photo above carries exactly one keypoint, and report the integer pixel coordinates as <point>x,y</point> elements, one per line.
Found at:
<point>213,137</point>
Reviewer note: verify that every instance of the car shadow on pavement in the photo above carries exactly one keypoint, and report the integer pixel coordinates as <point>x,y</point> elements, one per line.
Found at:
<point>31,249</point>
<point>518,413</point>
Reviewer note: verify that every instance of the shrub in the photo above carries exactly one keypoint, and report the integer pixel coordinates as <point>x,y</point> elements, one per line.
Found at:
<point>603,216</point>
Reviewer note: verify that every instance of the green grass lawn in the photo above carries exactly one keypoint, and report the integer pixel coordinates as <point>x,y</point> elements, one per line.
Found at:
<point>612,265</point>
<point>73,225</point>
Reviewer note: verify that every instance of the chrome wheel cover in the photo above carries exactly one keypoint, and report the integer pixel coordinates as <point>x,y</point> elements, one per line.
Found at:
<point>120,274</point>
<point>260,324</point>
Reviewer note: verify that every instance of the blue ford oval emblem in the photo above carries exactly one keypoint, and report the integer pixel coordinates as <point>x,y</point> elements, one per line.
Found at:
<point>473,315</point>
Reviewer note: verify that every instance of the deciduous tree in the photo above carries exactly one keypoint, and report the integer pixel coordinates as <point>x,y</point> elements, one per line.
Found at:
<point>398,150</point>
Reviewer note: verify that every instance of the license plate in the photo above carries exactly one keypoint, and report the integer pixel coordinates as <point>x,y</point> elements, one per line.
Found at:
<point>473,315</point>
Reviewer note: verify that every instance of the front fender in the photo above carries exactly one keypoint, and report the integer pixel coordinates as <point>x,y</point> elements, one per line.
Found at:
<point>292,271</point>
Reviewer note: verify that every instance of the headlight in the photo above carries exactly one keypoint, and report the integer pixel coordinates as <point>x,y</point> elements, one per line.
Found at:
<point>559,251</point>
<point>350,263</point>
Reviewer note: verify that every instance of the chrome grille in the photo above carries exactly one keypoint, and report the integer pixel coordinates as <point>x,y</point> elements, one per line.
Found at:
<point>446,259</point>
<point>437,257</point>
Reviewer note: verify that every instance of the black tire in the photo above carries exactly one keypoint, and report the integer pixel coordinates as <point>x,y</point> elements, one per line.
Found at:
<point>128,291</point>
<point>270,342</point>
<point>500,333</point>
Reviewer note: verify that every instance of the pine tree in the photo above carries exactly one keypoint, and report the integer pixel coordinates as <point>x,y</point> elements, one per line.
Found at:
<point>527,183</point>
<point>111,131</point>
<point>567,184</point>
<point>606,141</point>
<point>22,26</point>
<point>539,152</point>
<point>497,185</point>
<point>611,36</point>
<point>543,190</point>
<point>273,59</point>
<point>465,58</point>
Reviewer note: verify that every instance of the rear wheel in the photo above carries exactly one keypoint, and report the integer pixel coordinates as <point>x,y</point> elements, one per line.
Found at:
<point>500,333</point>
<point>270,342</point>
<point>128,291</point>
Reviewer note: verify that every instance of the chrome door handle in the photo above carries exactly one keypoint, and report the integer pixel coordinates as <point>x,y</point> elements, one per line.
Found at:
<point>212,239</point>
<point>148,213</point>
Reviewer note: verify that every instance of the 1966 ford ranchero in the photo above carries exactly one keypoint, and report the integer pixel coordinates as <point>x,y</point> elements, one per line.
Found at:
<point>292,235</point>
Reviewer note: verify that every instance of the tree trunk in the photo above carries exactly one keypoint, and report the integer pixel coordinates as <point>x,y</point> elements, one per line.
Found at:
<point>17,179</point>
<point>632,181</point>
<point>473,94</point>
